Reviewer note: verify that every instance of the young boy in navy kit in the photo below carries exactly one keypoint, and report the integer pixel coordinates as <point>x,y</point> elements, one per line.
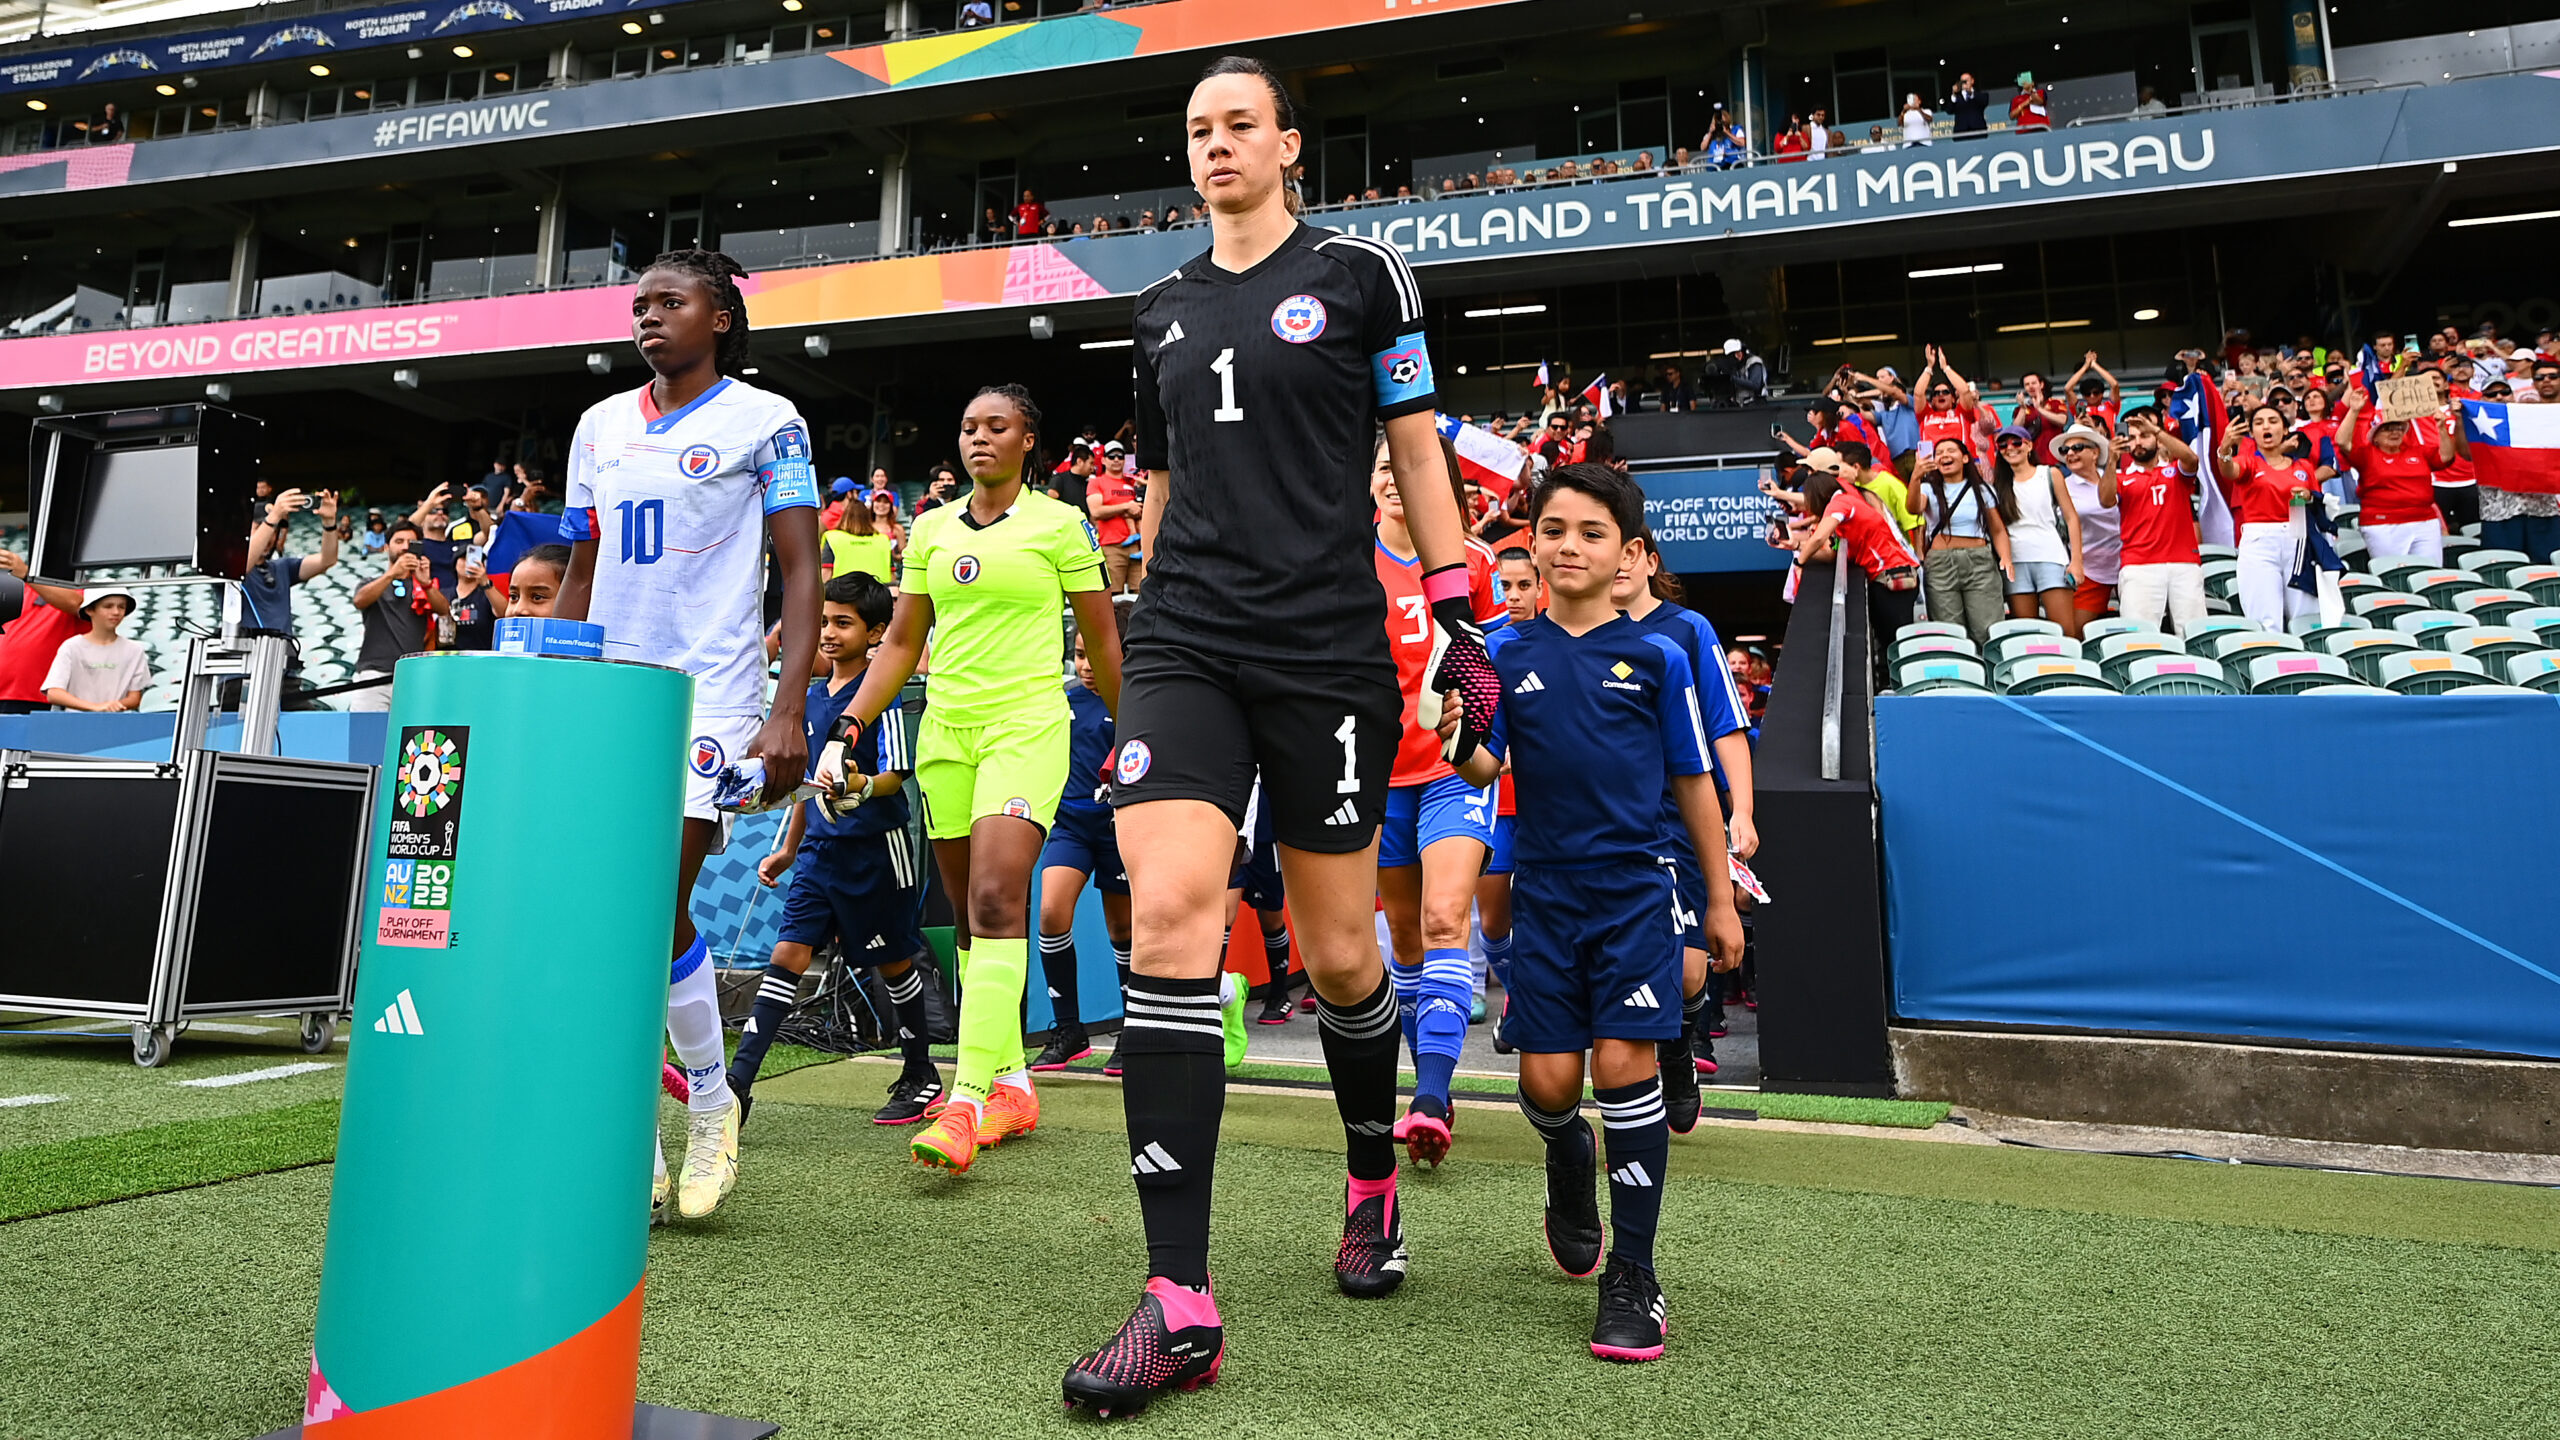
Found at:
<point>858,886</point>
<point>1599,717</point>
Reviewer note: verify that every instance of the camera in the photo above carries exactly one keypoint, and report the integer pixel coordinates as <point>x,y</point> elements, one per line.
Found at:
<point>1777,432</point>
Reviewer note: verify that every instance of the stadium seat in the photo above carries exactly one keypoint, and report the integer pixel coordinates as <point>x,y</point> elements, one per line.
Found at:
<point>2349,690</point>
<point>2220,607</point>
<point>1945,686</point>
<point>2438,587</point>
<point>2431,674</point>
<point>2493,565</point>
<point>2345,638</point>
<point>2178,675</point>
<point>2116,653</point>
<point>1911,646</point>
<point>2292,674</point>
<point>2492,645</point>
<point>2314,635</point>
<point>2100,629</point>
<point>2221,578</point>
<point>2428,627</point>
<point>2035,674</point>
<point>2069,685</point>
<point>2005,648</point>
<point>2229,643</point>
<point>1910,672</point>
<point>2345,514</point>
<point>2535,670</point>
<point>2349,545</point>
<point>2494,688</point>
<point>2212,553</point>
<point>2542,582</point>
<point>2216,624</point>
<point>2309,622</point>
<point>2365,653</point>
<point>2492,606</point>
<point>2027,626</point>
<point>2458,549</point>
<point>2542,620</point>
<point>2355,581</point>
<point>2380,605</point>
<point>1932,627</point>
<point>2393,570</point>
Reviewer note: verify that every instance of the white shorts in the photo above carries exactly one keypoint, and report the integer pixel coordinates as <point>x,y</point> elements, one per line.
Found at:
<point>718,741</point>
<point>2144,593</point>
<point>373,700</point>
<point>2422,538</point>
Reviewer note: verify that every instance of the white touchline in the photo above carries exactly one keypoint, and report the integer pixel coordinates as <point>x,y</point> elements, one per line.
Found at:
<point>12,1102</point>
<point>272,1072</point>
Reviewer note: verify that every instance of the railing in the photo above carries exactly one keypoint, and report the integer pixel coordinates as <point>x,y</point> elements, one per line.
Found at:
<point>1834,677</point>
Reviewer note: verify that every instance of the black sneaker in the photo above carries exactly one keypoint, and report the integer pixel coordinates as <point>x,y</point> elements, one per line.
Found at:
<point>1702,1053</point>
<point>1172,1341</point>
<point>1372,1258</point>
<point>1277,1007</point>
<point>1111,1062</point>
<point>1067,1044</point>
<point>1632,1316</point>
<point>1679,1085</point>
<point>1575,1235</point>
<point>908,1098</point>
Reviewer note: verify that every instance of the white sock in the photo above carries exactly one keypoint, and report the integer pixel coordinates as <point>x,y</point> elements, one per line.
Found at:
<point>1019,1080</point>
<point>1475,954</point>
<point>693,1025</point>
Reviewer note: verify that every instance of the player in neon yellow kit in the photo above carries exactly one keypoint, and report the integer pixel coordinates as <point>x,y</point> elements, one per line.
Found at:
<point>987,579</point>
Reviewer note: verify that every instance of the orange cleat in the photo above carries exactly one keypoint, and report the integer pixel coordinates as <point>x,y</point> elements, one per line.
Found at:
<point>951,1141</point>
<point>1011,1111</point>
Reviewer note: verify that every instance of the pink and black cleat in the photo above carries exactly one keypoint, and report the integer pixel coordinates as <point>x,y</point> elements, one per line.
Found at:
<point>671,1079</point>
<point>1371,1261</point>
<point>1633,1319</point>
<point>1172,1341</point>
<point>1425,1135</point>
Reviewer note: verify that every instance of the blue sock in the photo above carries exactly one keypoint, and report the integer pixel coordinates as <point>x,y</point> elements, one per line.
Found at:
<point>1639,1152</point>
<point>1407,980</point>
<point>1497,959</point>
<point>1440,1022</point>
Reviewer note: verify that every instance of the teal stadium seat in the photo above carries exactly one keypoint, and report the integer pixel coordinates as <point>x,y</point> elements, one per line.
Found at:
<point>2379,606</point>
<point>2005,648</point>
<point>2037,674</point>
<point>2178,675</point>
<point>2218,552</point>
<point>2100,629</point>
<point>2490,605</point>
<point>2030,625</point>
<point>2117,652</point>
<point>1912,646</point>
<point>2428,673</point>
<point>2347,690</point>
<point>2438,587</point>
<point>2458,549</point>
<point>2492,645</point>
<point>1933,627</point>
<point>1913,671</point>
<point>2493,565</point>
<point>2364,653</point>
<point>2535,670</point>
<point>2542,620</point>
<point>2542,582</point>
<point>2394,570</point>
<point>2429,627</point>
<point>2292,674</point>
<point>2232,642</point>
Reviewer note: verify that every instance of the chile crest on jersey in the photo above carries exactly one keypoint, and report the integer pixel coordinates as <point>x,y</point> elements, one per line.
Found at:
<point>1298,319</point>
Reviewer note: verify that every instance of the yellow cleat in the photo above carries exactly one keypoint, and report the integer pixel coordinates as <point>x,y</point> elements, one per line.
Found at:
<point>1011,1111</point>
<point>710,1161</point>
<point>951,1141</point>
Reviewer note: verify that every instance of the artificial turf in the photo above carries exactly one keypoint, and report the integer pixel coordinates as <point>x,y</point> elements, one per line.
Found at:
<point>1820,1285</point>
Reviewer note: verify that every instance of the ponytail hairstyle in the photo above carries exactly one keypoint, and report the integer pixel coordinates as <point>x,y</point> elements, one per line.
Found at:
<point>1032,456</point>
<point>1663,584</point>
<point>720,275</point>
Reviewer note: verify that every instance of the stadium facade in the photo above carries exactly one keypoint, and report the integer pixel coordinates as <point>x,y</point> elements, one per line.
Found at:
<point>399,233</point>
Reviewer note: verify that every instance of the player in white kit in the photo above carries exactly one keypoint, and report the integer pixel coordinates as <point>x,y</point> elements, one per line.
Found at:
<point>671,493</point>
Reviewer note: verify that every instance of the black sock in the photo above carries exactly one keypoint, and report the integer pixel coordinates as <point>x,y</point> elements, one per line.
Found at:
<point>915,1041</point>
<point>1275,953</point>
<point>1361,1043</point>
<point>1174,1092</point>
<point>1564,1130</point>
<point>1694,1010</point>
<point>1058,964</point>
<point>774,999</point>
<point>1639,1152</point>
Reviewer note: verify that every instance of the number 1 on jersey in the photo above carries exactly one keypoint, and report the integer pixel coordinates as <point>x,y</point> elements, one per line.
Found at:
<point>644,531</point>
<point>1349,735</point>
<point>1225,366</point>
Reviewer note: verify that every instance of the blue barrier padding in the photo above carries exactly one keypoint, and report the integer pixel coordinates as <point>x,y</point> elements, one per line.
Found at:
<point>2362,871</point>
<point>144,735</point>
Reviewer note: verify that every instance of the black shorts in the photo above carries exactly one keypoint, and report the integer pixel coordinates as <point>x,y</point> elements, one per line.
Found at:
<point>2460,504</point>
<point>1195,727</point>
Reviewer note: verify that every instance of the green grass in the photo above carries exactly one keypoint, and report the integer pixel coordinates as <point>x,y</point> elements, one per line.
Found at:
<point>98,1169</point>
<point>1822,1286</point>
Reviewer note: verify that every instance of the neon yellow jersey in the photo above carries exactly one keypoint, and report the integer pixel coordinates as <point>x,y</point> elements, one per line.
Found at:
<point>997,590</point>
<point>847,552</point>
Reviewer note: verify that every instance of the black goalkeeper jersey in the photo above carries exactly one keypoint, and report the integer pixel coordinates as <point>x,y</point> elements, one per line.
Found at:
<point>1261,393</point>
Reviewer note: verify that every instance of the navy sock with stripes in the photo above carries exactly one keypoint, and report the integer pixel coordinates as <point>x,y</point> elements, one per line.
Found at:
<point>1639,1152</point>
<point>1275,954</point>
<point>915,1021</point>
<point>1058,967</point>
<point>1360,1043</point>
<point>1174,1092</point>
<point>774,999</point>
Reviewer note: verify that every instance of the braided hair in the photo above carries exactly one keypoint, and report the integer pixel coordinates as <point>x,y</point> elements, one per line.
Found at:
<point>720,275</point>
<point>1020,398</point>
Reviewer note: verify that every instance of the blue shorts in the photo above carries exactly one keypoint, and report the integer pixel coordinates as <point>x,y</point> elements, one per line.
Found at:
<point>1594,954</point>
<point>1419,815</point>
<point>2036,576</point>
<point>1689,899</point>
<point>1499,861</point>
<point>863,892</point>
<point>1084,840</point>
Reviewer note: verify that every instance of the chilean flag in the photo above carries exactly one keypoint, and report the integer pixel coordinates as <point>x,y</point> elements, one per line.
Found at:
<point>2195,408</point>
<point>1483,457</point>
<point>2369,371</point>
<point>1596,394</point>
<point>2514,447</point>
<point>1543,381</point>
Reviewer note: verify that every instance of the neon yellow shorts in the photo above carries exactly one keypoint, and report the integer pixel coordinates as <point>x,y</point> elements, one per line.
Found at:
<point>1012,766</point>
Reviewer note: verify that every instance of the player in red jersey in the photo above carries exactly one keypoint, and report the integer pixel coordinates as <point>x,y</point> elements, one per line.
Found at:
<point>1437,832</point>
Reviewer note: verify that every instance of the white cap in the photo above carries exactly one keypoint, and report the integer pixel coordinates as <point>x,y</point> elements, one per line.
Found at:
<point>93,596</point>
<point>1733,347</point>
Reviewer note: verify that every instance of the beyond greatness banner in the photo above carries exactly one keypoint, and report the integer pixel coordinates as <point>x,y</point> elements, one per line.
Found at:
<point>249,39</point>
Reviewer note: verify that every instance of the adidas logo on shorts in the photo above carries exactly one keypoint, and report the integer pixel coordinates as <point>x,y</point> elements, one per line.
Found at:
<point>877,944</point>
<point>1349,814</point>
<point>1529,684</point>
<point>1642,999</point>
